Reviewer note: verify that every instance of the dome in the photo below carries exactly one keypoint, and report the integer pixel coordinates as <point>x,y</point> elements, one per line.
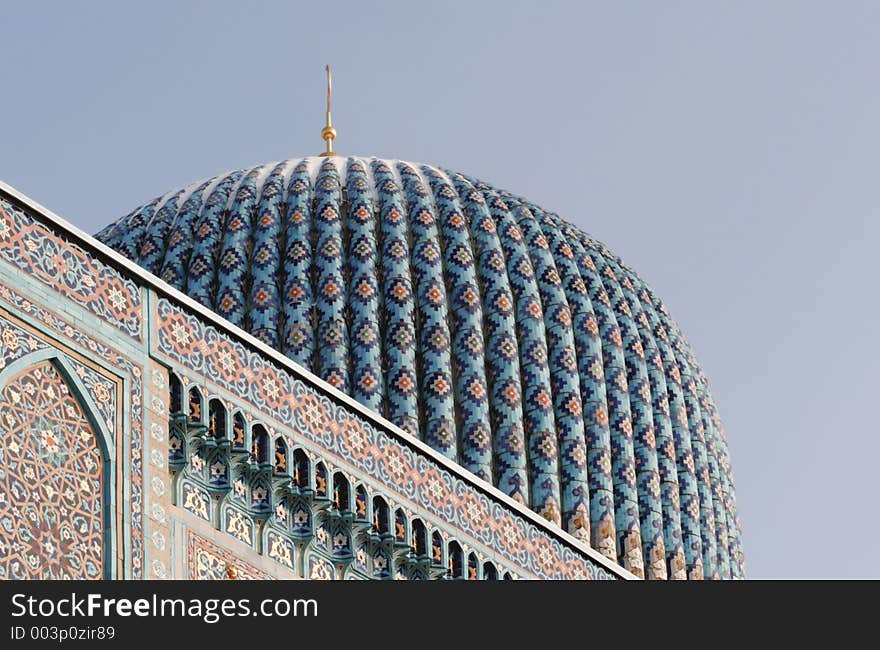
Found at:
<point>488,327</point>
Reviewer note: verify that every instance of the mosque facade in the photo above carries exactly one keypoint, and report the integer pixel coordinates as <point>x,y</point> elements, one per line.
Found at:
<point>347,368</point>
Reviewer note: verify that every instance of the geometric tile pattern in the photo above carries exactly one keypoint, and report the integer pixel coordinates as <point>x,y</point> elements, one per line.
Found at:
<point>102,390</point>
<point>51,500</point>
<point>67,269</point>
<point>488,327</point>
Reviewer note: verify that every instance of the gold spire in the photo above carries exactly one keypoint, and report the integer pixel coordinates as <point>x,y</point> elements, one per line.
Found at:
<point>328,132</point>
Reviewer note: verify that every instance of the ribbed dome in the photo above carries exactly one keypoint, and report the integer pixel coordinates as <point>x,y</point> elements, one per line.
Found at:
<point>502,336</point>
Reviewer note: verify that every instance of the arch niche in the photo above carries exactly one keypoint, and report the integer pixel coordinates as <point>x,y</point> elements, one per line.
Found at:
<point>57,490</point>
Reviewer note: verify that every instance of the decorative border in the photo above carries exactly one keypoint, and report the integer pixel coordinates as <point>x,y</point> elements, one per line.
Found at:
<point>103,393</point>
<point>67,269</point>
<point>380,460</point>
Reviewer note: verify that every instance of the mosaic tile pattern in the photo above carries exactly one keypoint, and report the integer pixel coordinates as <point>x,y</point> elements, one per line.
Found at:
<point>103,390</point>
<point>67,269</point>
<point>51,499</point>
<point>207,560</point>
<point>485,325</point>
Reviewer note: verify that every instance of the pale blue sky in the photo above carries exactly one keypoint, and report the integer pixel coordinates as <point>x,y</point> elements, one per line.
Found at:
<point>728,151</point>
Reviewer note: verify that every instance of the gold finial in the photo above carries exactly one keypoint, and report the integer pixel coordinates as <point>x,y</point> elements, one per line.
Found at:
<point>328,132</point>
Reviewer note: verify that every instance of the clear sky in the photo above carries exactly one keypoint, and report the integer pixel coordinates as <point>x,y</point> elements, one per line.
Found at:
<point>730,152</point>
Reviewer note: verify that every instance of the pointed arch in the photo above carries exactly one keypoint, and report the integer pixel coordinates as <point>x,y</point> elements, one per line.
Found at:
<point>58,457</point>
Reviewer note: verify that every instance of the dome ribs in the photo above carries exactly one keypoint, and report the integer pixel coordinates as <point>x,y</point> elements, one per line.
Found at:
<point>263,300</point>
<point>715,482</point>
<point>179,243</point>
<point>565,373</point>
<point>688,494</point>
<point>201,276</point>
<point>512,424</point>
<point>721,537</point>
<point>367,385</point>
<point>701,461</point>
<point>728,541</point>
<point>644,444</point>
<point>398,307</point>
<point>734,547</point>
<point>135,228</point>
<point>714,445</point>
<point>676,566</point>
<point>434,360</point>
<point>588,347</point>
<point>474,346</point>
<point>734,524</point>
<point>330,290</point>
<point>501,353</point>
<point>297,299</point>
<point>567,441</point>
<point>687,363</point>
<point>232,265</point>
<point>623,472</point>
<point>152,248</point>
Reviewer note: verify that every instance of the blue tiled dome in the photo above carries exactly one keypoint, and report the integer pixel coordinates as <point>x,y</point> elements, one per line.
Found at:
<point>499,334</point>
